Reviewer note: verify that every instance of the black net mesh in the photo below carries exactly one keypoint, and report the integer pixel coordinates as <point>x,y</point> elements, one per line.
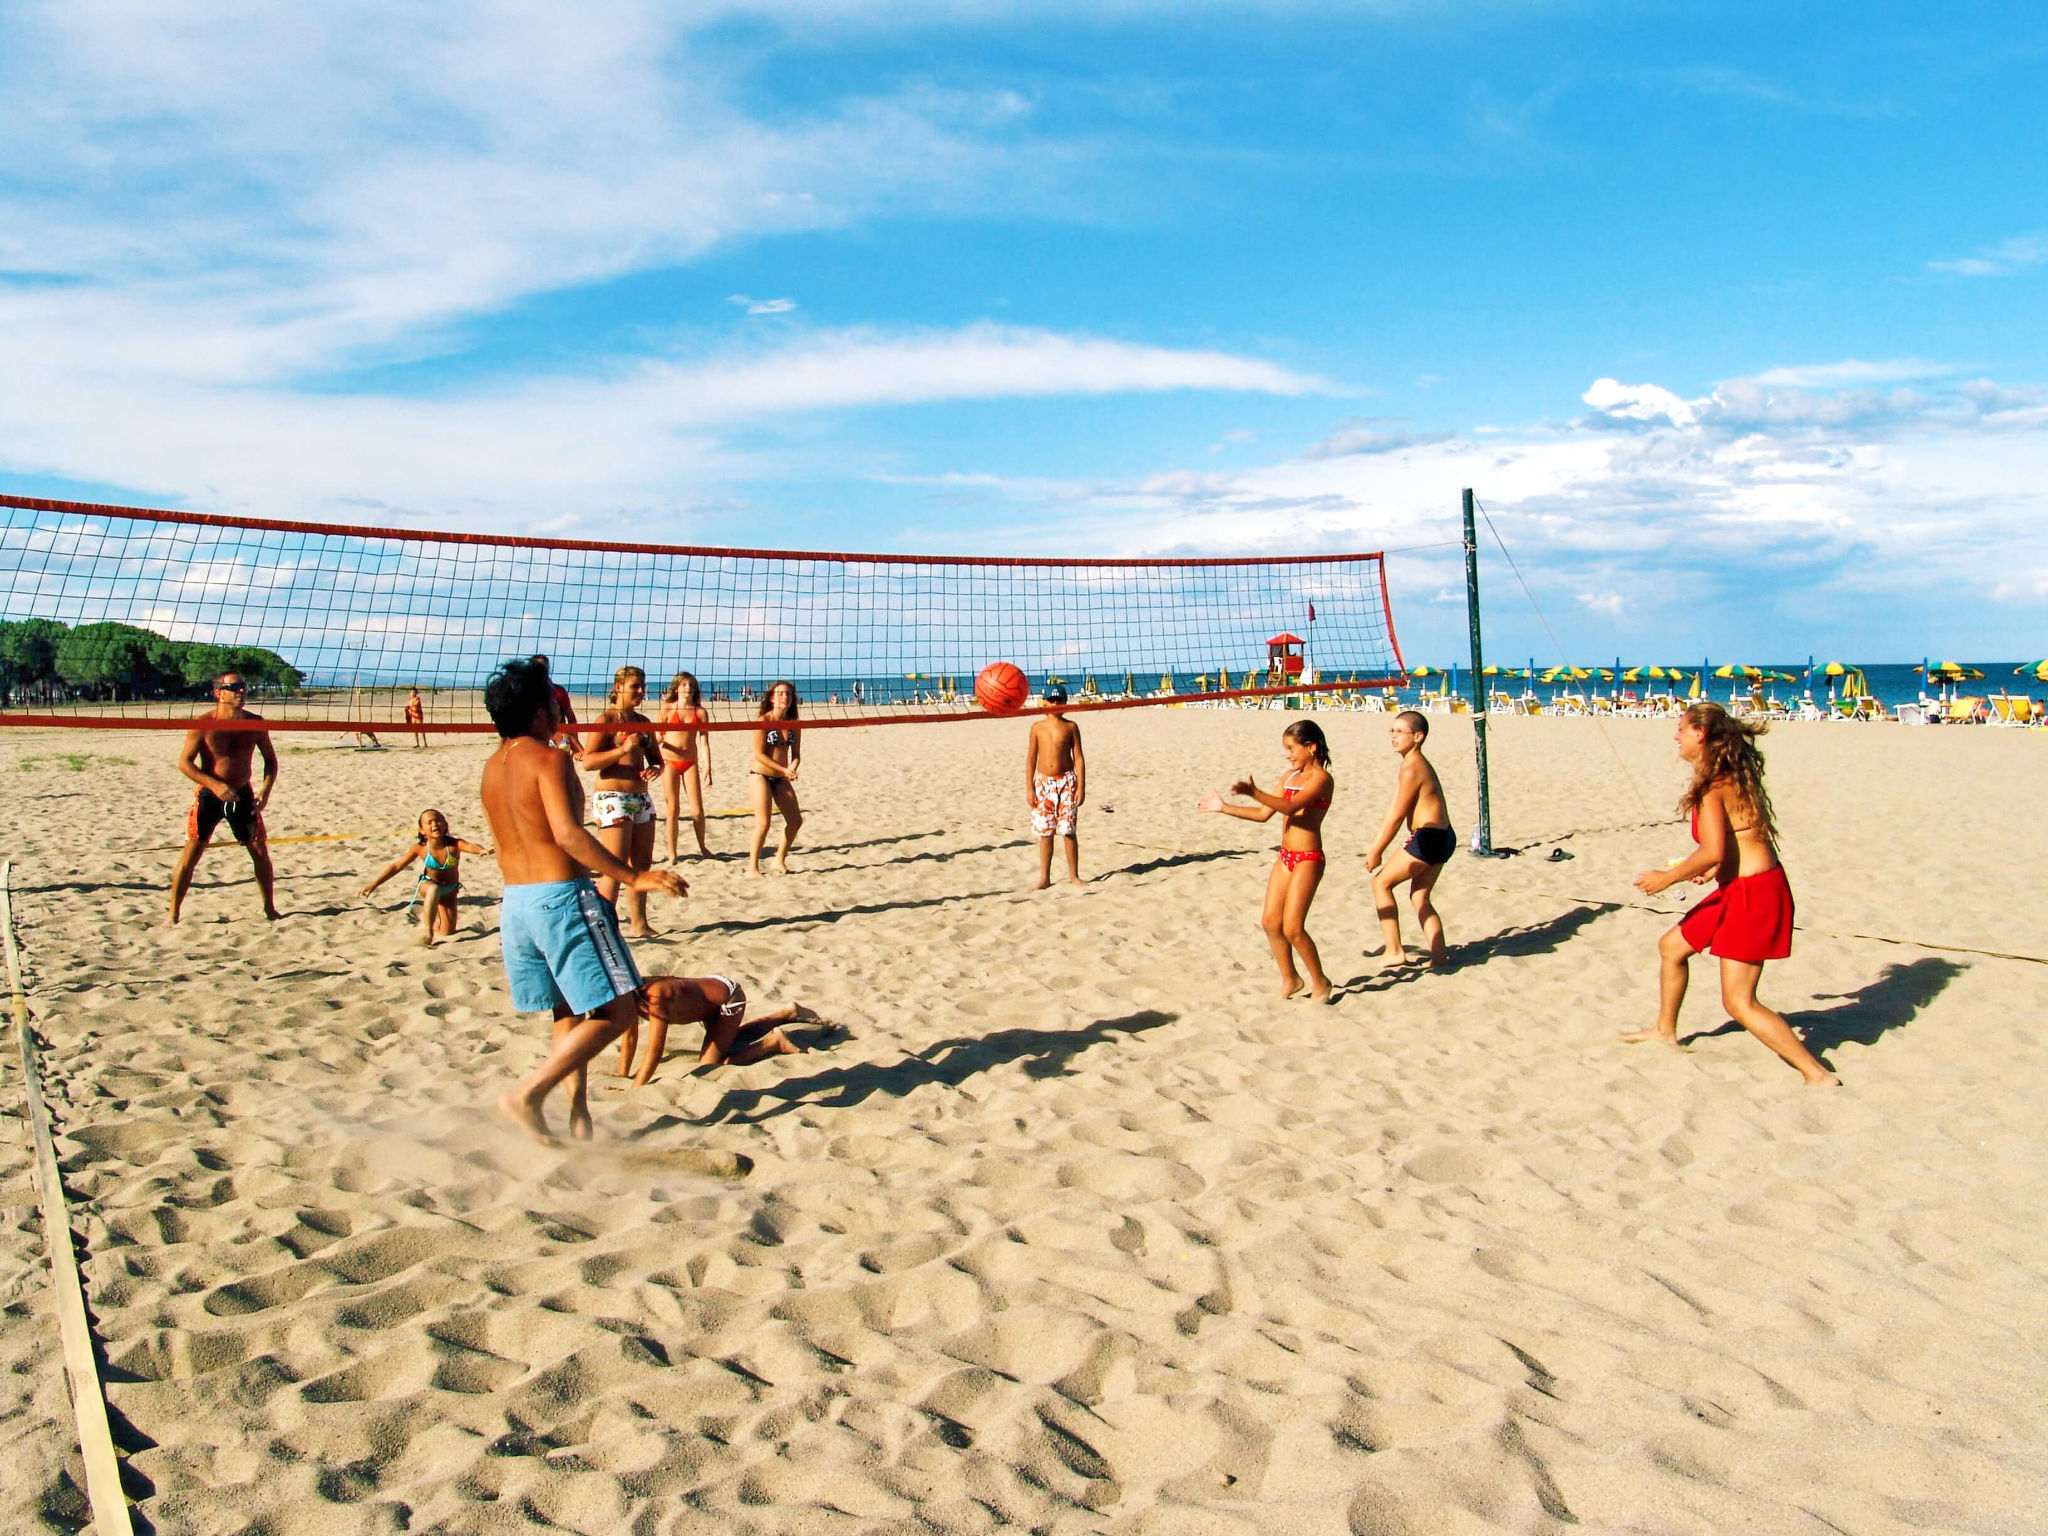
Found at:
<point>120,615</point>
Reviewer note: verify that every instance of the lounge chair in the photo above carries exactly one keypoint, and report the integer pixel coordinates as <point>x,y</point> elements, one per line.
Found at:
<point>2008,710</point>
<point>1965,710</point>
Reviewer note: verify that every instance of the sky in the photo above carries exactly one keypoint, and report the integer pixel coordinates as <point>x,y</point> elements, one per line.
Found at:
<point>1731,315</point>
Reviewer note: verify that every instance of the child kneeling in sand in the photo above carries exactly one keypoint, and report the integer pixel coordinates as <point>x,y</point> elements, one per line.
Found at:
<point>440,854</point>
<point>721,1007</point>
<point>1419,802</point>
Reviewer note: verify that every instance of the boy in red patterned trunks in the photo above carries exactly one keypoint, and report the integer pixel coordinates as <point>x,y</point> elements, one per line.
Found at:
<point>1055,785</point>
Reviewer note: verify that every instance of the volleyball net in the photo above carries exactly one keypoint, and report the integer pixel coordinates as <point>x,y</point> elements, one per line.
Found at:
<point>120,617</point>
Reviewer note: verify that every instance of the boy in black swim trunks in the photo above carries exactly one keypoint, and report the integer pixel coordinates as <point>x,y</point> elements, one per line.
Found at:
<point>1419,802</point>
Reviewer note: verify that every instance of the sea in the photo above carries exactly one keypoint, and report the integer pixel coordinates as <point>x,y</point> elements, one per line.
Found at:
<point>1890,683</point>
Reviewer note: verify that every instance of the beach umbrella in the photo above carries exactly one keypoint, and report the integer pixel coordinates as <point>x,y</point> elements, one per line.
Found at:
<point>2038,668</point>
<point>1694,691</point>
<point>1423,671</point>
<point>1130,685</point>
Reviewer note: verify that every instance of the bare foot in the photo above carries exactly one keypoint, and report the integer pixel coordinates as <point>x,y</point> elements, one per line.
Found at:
<point>753,871</point>
<point>1041,885</point>
<point>1291,987</point>
<point>1075,880</point>
<point>526,1116</point>
<point>1320,992</point>
<point>1638,1036</point>
<point>271,914</point>
<point>580,1125</point>
<point>424,941</point>
<point>781,865</point>
<point>1821,1077</point>
<point>642,932</point>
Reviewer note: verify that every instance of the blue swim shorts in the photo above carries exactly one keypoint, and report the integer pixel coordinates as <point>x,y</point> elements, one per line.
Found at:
<point>562,945</point>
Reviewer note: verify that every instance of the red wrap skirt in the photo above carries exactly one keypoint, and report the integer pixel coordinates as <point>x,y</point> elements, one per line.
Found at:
<point>1748,919</point>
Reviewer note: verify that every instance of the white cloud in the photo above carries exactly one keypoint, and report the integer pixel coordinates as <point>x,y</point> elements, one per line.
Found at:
<point>1638,402</point>
<point>2007,258</point>
<point>1896,370</point>
<point>558,446</point>
<point>762,306</point>
<point>1646,536</point>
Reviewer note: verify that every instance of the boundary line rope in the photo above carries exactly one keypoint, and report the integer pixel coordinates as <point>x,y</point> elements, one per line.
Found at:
<point>88,1398</point>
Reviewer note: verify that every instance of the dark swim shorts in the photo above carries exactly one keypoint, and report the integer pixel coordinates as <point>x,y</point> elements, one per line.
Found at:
<point>240,813</point>
<point>1433,845</point>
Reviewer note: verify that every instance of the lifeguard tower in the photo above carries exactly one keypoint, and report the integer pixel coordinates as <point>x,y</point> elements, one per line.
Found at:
<point>1283,660</point>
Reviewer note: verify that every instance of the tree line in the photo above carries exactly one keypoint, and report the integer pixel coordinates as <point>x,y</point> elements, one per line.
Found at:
<point>44,659</point>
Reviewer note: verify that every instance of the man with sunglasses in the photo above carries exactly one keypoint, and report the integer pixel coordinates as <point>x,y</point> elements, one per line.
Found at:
<point>218,762</point>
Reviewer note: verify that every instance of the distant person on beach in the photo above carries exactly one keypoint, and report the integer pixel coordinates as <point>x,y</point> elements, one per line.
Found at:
<point>218,762</point>
<point>1418,804</point>
<point>1303,801</point>
<point>624,762</point>
<point>416,715</point>
<point>565,712</point>
<point>1748,919</point>
<point>721,1007</point>
<point>685,756</point>
<point>440,880</point>
<point>1055,786</point>
<point>778,751</point>
<point>561,944</point>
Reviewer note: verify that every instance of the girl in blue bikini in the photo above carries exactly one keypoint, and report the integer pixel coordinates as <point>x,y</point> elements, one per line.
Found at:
<point>440,879</point>
<point>771,777</point>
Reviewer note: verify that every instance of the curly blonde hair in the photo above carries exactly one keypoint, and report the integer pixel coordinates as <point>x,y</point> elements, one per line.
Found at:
<point>1728,753</point>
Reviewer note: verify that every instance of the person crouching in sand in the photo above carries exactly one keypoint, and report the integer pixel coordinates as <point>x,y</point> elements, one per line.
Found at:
<point>1419,803</point>
<point>1055,786</point>
<point>561,944</point>
<point>1302,802</point>
<point>440,883</point>
<point>1748,919</point>
<point>721,1007</point>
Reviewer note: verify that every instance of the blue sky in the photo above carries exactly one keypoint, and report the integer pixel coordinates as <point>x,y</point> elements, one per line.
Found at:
<point>1733,315</point>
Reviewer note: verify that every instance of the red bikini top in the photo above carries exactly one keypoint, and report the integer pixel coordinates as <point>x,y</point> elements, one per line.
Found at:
<point>1288,793</point>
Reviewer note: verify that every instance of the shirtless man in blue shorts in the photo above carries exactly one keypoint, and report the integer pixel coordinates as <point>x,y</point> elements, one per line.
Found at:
<point>561,943</point>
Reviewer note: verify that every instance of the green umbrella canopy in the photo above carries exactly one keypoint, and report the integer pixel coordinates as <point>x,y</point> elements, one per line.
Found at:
<point>1424,671</point>
<point>2038,668</point>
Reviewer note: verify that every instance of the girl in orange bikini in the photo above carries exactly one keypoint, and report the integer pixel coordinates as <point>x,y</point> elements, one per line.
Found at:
<point>684,753</point>
<point>1303,801</point>
<point>1748,919</point>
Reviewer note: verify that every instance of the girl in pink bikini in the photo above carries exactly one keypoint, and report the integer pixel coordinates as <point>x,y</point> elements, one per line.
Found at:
<point>1303,801</point>
<point>1748,919</point>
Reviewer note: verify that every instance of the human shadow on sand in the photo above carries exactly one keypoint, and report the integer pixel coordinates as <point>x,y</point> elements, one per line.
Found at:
<point>950,1062</point>
<point>932,856</point>
<point>873,842</point>
<point>1891,1002</point>
<point>869,909</point>
<point>1541,938</point>
<point>1175,861</point>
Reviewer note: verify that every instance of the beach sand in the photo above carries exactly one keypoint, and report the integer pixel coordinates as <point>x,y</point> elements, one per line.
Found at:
<point>1068,1224</point>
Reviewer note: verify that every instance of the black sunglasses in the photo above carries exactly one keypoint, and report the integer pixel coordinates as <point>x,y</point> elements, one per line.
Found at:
<point>231,687</point>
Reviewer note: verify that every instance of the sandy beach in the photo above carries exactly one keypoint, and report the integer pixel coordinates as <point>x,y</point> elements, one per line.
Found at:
<point>1066,1223</point>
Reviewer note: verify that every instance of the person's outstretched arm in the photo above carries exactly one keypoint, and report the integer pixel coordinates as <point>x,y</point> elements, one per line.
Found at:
<point>574,839</point>
<point>393,868</point>
<point>1715,834</point>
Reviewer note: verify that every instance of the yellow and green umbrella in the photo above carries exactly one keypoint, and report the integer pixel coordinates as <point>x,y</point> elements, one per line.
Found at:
<point>2038,669</point>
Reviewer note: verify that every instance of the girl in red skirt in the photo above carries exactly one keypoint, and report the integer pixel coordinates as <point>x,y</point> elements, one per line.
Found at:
<point>1748,919</point>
